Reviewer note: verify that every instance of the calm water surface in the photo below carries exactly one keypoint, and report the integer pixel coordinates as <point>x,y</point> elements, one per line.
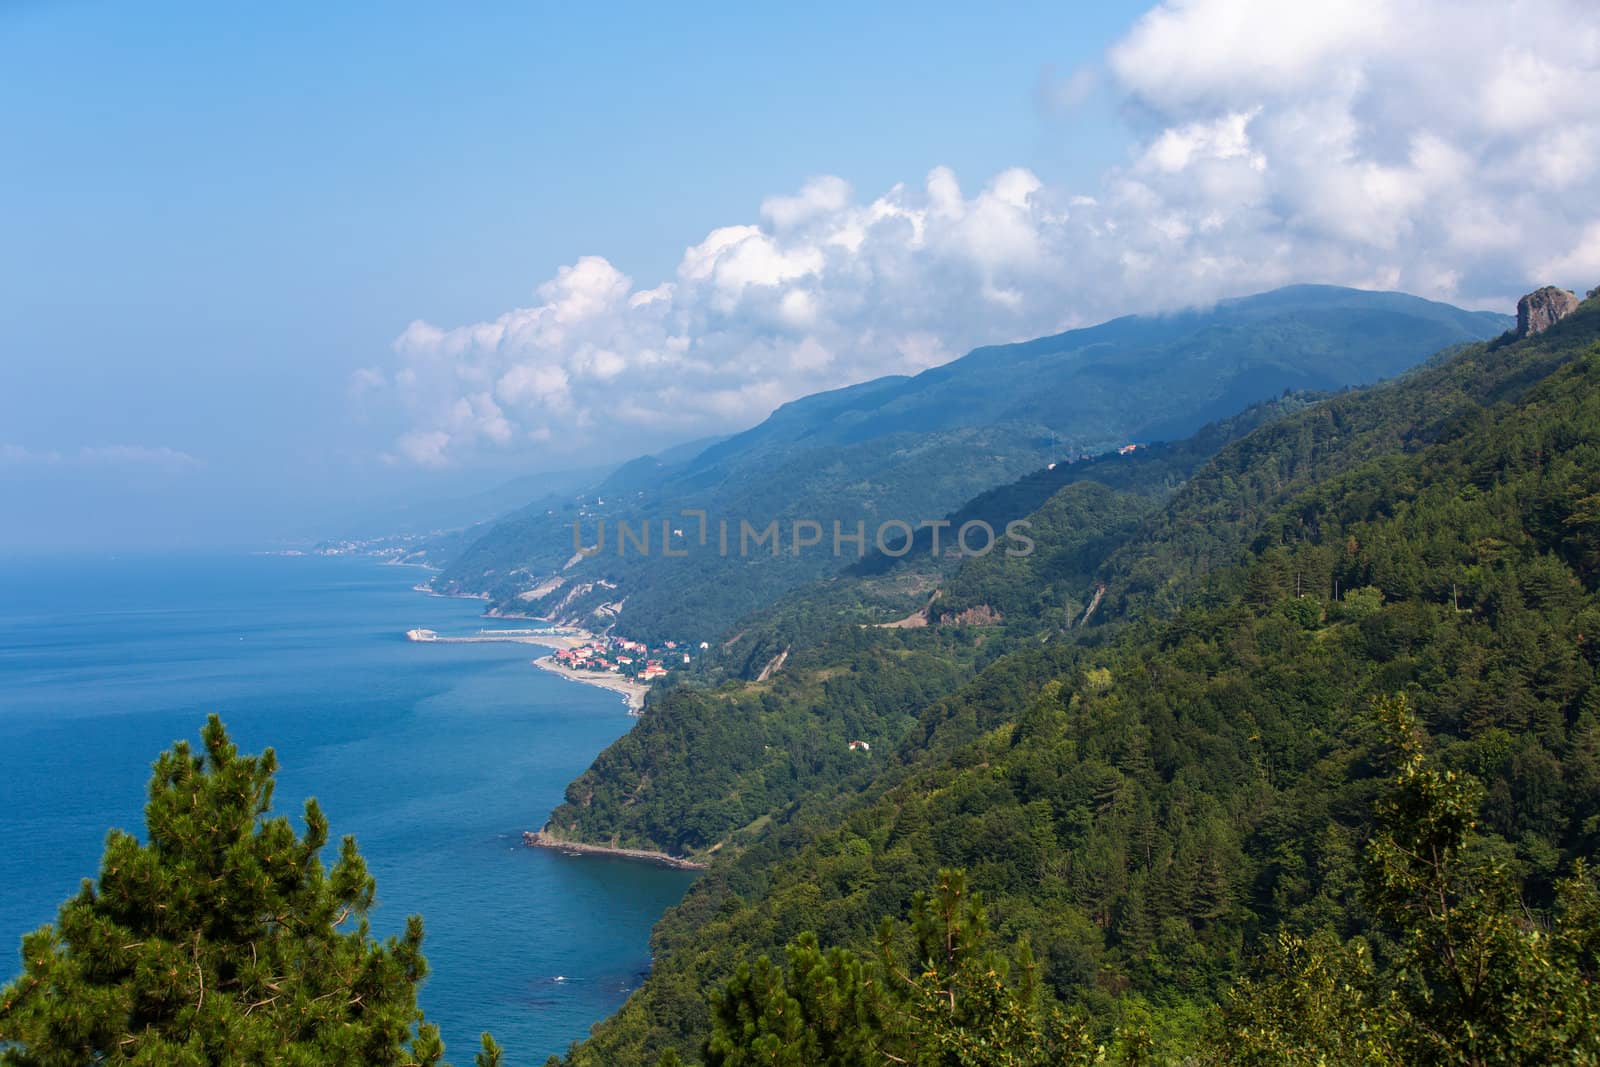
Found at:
<point>435,756</point>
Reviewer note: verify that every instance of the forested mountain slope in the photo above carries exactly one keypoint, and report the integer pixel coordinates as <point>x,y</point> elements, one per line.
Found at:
<point>1151,799</point>
<point>708,760</point>
<point>913,449</point>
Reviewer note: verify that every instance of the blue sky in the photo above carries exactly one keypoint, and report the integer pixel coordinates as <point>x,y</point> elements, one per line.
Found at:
<point>262,265</point>
<point>219,212</point>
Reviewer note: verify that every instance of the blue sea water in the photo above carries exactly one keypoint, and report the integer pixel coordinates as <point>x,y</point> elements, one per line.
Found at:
<point>435,757</point>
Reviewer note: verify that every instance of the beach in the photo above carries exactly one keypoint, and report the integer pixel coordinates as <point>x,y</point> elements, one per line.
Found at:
<point>633,692</point>
<point>567,637</point>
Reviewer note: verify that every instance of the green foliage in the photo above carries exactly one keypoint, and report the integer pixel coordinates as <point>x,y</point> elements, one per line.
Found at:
<point>491,1054</point>
<point>1477,978</point>
<point>1361,603</point>
<point>1470,975</point>
<point>1153,838</point>
<point>1473,974</point>
<point>941,1000</point>
<point>821,1012</point>
<point>702,765</point>
<point>221,940</point>
<point>1311,1002</point>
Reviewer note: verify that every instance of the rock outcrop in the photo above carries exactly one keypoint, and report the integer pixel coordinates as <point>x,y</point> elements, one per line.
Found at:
<point>1542,309</point>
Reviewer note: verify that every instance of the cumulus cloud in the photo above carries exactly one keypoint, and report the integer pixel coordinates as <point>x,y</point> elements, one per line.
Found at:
<point>1449,150</point>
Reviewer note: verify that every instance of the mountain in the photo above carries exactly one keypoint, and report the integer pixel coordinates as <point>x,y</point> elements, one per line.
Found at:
<point>1152,792</point>
<point>913,449</point>
<point>1096,384</point>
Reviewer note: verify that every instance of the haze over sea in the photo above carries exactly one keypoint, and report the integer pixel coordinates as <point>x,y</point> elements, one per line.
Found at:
<point>435,757</point>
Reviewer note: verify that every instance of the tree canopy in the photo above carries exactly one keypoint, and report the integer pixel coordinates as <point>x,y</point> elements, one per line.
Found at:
<point>221,939</point>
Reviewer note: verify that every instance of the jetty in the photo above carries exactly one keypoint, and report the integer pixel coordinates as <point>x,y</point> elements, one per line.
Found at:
<point>554,638</point>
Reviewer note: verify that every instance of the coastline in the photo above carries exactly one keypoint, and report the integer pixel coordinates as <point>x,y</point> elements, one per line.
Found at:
<point>632,692</point>
<point>544,839</point>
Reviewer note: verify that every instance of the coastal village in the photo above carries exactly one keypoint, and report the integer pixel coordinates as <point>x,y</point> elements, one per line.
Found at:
<point>617,663</point>
<point>629,659</point>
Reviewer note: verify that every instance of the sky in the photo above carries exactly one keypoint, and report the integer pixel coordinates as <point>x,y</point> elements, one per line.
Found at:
<point>266,267</point>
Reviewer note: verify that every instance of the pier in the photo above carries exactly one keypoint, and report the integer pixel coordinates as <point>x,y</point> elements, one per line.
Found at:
<point>548,638</point>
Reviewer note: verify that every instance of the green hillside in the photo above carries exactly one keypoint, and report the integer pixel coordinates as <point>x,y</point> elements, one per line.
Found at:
<point>914,449</point>
<point>1154,796</point>
<point>710,760</point>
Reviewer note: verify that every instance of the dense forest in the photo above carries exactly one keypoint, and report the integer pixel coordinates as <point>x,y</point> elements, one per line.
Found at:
<point>1178,802</point>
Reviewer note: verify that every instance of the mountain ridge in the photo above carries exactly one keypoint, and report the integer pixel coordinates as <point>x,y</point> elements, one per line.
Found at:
<point>914,448</point>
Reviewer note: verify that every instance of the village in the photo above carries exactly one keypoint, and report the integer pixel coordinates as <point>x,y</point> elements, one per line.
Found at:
<point>630,659</point>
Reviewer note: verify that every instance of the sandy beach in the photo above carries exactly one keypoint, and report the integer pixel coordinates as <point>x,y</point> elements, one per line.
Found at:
<point>632,692</point>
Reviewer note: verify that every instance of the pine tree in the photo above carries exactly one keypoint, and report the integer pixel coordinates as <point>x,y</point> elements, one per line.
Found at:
<point>223,940</point>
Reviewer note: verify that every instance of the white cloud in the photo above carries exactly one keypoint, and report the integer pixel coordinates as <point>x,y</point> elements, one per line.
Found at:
<point>1581,259</point>
<point>1449,150</point>
<point>425,448</point>
<point>1224,138</point>
<point>1226,54</point>
<point>819,196</point>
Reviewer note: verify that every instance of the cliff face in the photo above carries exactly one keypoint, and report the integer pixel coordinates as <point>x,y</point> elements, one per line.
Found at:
<point>1543,308</point>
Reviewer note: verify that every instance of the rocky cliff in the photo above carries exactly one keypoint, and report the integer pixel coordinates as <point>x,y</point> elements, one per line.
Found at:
<point>1543,308</point>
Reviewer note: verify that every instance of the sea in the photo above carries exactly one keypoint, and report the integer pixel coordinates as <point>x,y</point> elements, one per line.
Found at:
<point>435,756</point>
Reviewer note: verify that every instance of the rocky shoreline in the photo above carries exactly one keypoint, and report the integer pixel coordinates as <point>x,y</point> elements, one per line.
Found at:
<point>544,839</point>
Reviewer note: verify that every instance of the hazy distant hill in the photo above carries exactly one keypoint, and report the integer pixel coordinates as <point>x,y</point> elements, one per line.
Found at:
<point>915,448</point>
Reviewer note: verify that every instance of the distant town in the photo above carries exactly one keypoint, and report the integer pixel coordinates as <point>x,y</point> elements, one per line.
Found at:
<point>630,659</point>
